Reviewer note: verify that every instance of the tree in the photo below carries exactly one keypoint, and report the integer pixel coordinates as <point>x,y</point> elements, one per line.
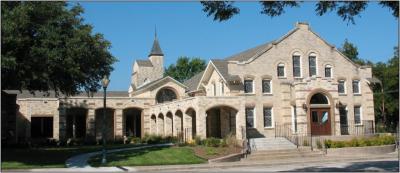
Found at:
<point>46,46</point>
<point>351,51</point>
<point>347,10</point>
<point>185,68</point>
<point>386,94</point>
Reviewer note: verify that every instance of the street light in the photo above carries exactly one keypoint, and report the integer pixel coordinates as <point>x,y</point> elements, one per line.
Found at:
<point>105,81</point>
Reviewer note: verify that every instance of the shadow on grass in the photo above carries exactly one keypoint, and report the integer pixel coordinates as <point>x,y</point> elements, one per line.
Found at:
<point>46,157</point>
<point>386,166</point>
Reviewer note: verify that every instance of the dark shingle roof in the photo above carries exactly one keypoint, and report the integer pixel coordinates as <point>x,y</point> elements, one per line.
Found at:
<point>222,67</point>
<point>52,94</point>
<point>193,81</point>
<point>247,54</point>
<point>144,63</point>
<point>156,49</point>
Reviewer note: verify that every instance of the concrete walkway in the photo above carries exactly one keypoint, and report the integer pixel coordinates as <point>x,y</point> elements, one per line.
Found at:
<point>80,161</point>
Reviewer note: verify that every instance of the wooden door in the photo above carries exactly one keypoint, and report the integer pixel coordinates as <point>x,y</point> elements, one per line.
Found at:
<point>320,121</point>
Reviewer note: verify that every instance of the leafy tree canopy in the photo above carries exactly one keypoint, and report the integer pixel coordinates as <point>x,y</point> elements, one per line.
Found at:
<point>46,46</point>
<point>347,10</point>
<point>351,51</point>
<point>185,68</point>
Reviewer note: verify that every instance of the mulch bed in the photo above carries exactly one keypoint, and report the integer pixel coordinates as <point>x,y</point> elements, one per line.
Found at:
<point>201,151</point>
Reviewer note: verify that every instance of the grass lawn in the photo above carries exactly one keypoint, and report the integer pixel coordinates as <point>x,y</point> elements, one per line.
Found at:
<point>49,157</point>
<point>151,156</point>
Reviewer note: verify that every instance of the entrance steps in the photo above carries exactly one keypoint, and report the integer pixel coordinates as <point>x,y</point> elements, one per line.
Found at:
<point>271,149</point>
<point>270,143</point>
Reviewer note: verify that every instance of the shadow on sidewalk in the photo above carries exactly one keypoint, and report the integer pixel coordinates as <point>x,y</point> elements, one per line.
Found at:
<point>387,166</point>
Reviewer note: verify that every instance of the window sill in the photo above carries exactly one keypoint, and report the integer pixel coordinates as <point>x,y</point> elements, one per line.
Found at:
<point>343,94</point>
<point>282,77</point>
<point>249,94</point>
<point>268,128</point>
<point>356,94</point>
<point>267,94</point>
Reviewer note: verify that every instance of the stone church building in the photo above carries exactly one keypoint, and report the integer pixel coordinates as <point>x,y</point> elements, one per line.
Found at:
<point>299,81</point>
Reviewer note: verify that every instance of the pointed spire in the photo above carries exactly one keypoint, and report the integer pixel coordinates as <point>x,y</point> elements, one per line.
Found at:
<point>156,49</point>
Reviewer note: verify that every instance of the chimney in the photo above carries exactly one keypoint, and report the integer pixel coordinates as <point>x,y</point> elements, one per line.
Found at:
<point>302,25</point>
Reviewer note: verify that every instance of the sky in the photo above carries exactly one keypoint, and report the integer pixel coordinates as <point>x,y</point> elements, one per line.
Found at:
<point>183,29</point>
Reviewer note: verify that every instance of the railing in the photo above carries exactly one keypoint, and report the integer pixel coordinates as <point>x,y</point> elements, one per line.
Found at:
<point>184,135</point>
<point>246,150</point>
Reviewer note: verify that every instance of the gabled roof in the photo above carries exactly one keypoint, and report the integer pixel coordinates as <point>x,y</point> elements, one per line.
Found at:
<point>193,81</point>
<point>144,63</point>
<point>247,54</point>
<point>155,82</point>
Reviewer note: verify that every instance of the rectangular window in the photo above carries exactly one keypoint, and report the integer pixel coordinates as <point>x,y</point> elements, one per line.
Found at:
<point>314,116</point>
<point>267,117</point>
<point>248,86</point>
<point>222,89</point>
<point>356,87</point>
<point>215,89</point>
<point>312,65</point>
<point>328,71</point>
<point>266,86</point>
<point>357,114</point>
<point>296,66</point>
<point>341,87</point>
<point>250,117</point>
<point>281,70</point>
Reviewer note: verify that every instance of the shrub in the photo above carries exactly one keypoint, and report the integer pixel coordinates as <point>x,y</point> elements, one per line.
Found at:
<point>361,142</point>
<point>229,141</point>
<point>152,139</point>
<point>170,139</point>
<point>135,140</point>
<point>305,143</point>
<point>319,144</point>
<point>198,140</point>
<point>212,142</point>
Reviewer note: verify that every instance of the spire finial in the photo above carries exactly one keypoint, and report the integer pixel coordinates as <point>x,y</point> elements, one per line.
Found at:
<point>155,31</point>
<point>156,49</point>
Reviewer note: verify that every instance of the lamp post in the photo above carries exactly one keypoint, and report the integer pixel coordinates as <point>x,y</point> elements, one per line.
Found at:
<point>105,81</point>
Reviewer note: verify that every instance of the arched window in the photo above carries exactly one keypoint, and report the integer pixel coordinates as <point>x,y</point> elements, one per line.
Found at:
<point>281,70</point>
<point>296,65</point>
<point>319,99</point>
<point>328,71</point>
<point>312,64</point>
<point>165,95</point>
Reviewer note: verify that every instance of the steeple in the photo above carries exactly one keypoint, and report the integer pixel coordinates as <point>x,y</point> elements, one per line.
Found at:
<point>156,49</point>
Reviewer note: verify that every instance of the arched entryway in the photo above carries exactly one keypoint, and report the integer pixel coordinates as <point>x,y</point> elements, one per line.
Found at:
<point>76,122</point>
<point>320,114</point>
<point>132,122</point>
<point>109,123</point>
<point>153,124</point>
<point>160,124</point>
<point>190,121</point>
<point>169,124</point>
<point>221,121</point>
<point>178,124</point>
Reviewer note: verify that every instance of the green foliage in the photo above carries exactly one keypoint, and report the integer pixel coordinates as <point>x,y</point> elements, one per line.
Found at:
<point>229,141</point>
<point>185,68</point>
<point>197,140</point>
<point>211,151</point>
<point>319,144</point>
<point>212,142</point>
<point>46,46</point>
<point>135,140</point>
<point>305,143</point>
<point>347,10</point>
<point>152,139</point>
<point>362,142</point>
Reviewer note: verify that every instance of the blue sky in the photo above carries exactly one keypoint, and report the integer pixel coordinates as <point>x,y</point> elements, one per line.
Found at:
<point>185,30</point>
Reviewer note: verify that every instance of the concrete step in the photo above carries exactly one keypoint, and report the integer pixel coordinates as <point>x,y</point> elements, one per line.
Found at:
<point>279,143</point>
<point>278,157</point>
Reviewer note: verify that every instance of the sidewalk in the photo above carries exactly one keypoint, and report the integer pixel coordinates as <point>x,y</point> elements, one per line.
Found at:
<point>224,165</point>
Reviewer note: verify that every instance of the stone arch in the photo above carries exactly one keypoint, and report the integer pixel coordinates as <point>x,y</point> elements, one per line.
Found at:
<point>109,123</point>
<point>160,125</point>
<point>178,123</point>
<point>190,121</point>
<point>221,121</point>
<point>76,122</point>
<point>132,122</point>
<point>166,94</point>
<point>169,124</point>
<point>153,124</point>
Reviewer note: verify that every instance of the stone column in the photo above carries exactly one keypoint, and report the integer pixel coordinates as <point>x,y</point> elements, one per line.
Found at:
<point>118,124</point>
<point>90,125</point>
<point>62,121</point>
<point>241,122</point>
<point>201,123</point>
<point>56,124</point>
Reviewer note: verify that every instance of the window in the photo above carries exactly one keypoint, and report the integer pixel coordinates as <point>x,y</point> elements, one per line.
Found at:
<point>328,71</point>
<point>222,88</point>
<point>312,65</point>
<point>281,70</point>
<point>296,66</point>
<point>248,86</point>
<point>341,87</point>
<point>215,88</point>
<point>249,117</point>
<point>356,86</point>
<point>267,117</point>
<point>357,114</point>
<point>314,116</point>
<point>266,86</point>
